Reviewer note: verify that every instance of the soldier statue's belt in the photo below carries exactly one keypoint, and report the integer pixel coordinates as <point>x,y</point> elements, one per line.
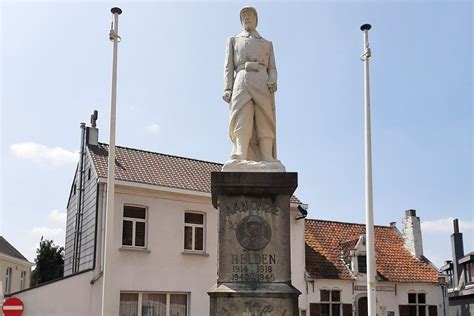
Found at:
<point>251,66</point>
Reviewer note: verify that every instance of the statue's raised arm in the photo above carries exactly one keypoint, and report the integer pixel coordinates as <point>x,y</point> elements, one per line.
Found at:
<point>250,81</point>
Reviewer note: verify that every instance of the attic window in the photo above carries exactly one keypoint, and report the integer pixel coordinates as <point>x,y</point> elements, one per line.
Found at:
<point>89,174</point>
<point>362,264</point>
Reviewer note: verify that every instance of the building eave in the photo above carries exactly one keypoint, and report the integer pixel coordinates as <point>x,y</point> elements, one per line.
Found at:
<point>146,186</point>
<point>16,260</point>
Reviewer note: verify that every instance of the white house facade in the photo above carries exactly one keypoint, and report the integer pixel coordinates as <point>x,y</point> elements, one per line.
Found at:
<point>336,281</point>
<point>15,269</point>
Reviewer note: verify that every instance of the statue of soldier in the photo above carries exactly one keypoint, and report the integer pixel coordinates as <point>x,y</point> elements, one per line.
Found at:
<point>250,77</point>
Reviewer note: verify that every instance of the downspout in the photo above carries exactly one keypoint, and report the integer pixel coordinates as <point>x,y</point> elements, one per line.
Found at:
<point>78,231</point>
<point>102,229</point>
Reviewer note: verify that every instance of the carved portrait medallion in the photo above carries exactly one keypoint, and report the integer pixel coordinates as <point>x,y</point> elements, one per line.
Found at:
<point>253,232</point>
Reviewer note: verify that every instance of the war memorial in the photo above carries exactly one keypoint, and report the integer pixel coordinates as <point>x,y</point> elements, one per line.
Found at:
<point>146,232</point>
<point>252,192</point>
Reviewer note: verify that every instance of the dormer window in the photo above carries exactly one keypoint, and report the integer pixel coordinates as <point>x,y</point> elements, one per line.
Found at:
<point>362,264</point>
<point>353,253</point>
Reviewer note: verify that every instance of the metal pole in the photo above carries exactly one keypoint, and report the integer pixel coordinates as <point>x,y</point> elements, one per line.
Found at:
<point>369,224</point>
<point>107,293</point>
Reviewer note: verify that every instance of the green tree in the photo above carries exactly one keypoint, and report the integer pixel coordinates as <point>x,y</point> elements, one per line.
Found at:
<point>49,262</point>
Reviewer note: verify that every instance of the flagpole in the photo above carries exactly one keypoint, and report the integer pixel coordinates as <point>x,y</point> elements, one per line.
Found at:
<point>369,224</point>
<point>107,293</point>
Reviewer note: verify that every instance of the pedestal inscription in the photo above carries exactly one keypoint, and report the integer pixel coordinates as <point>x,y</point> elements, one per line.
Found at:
<point>252,245</point>
<point>254,275</point>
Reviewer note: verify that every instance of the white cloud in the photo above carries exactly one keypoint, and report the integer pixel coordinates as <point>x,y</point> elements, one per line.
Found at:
<point>41,153</point>
<point>57,216</point>
<point>153,129</point>
<point>445,225</point>
<point>47,232</point>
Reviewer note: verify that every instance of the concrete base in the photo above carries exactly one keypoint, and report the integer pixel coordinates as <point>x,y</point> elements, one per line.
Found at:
<point>254,276</point>
<point>229,299</point>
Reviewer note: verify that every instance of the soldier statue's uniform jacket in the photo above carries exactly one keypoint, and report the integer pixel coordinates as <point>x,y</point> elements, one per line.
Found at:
<point>249,68</point>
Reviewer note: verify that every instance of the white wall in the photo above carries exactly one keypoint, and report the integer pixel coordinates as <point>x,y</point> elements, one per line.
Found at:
<point>72,296</point>
<point>165,268</point>
<point>386,300</point>
<point>17,266</point>
<point>298,256</point>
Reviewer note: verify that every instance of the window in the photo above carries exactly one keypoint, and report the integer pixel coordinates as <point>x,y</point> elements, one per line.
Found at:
<point>193,231</point>
<point>449,278</point>
<point>469,268</point>
<point>134,226</point>
<point>330,303</point>
<point>22,280</point>
<point>153,304</point>
<point>417,304</point>
<point>362,264</point>
<point>8,280</point>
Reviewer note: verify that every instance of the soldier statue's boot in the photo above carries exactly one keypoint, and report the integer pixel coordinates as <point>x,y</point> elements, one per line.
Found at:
<point>266,149</point>
<point>241,149</point>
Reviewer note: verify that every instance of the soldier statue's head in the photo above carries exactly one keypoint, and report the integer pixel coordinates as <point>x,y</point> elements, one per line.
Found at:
<point>249,18</point>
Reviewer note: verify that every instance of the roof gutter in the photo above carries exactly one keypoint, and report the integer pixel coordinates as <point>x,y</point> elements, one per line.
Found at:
<point>16,260</point>
<point>146,186</point>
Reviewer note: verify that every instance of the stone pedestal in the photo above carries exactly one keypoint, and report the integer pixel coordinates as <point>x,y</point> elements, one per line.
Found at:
<point>254,264</point>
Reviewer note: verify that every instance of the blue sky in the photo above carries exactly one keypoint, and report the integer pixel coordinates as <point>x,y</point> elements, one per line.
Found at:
<point>56,69</point>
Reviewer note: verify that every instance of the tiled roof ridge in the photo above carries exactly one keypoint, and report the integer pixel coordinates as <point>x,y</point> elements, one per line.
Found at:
<point>162,154</point>
<point>348,241</point>
<point>348,223</point>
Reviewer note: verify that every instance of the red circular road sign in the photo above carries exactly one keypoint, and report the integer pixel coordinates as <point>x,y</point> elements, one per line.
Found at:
<point>12,306</point>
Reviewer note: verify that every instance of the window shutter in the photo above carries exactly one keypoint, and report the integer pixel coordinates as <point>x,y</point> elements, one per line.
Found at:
<point>314,309</point>
<point>432,310</point>
<point>404,310</point>
<point>347,310</point>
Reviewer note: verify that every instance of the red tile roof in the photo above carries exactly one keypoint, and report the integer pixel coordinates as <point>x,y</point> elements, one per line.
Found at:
<point>140,166</point>
<point>394,263</point>
<point>345,247</point>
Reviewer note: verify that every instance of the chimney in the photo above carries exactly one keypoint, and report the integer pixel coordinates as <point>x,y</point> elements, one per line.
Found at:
<point>457,247</point>
<point>412,233</point>
<point>93,132</point>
